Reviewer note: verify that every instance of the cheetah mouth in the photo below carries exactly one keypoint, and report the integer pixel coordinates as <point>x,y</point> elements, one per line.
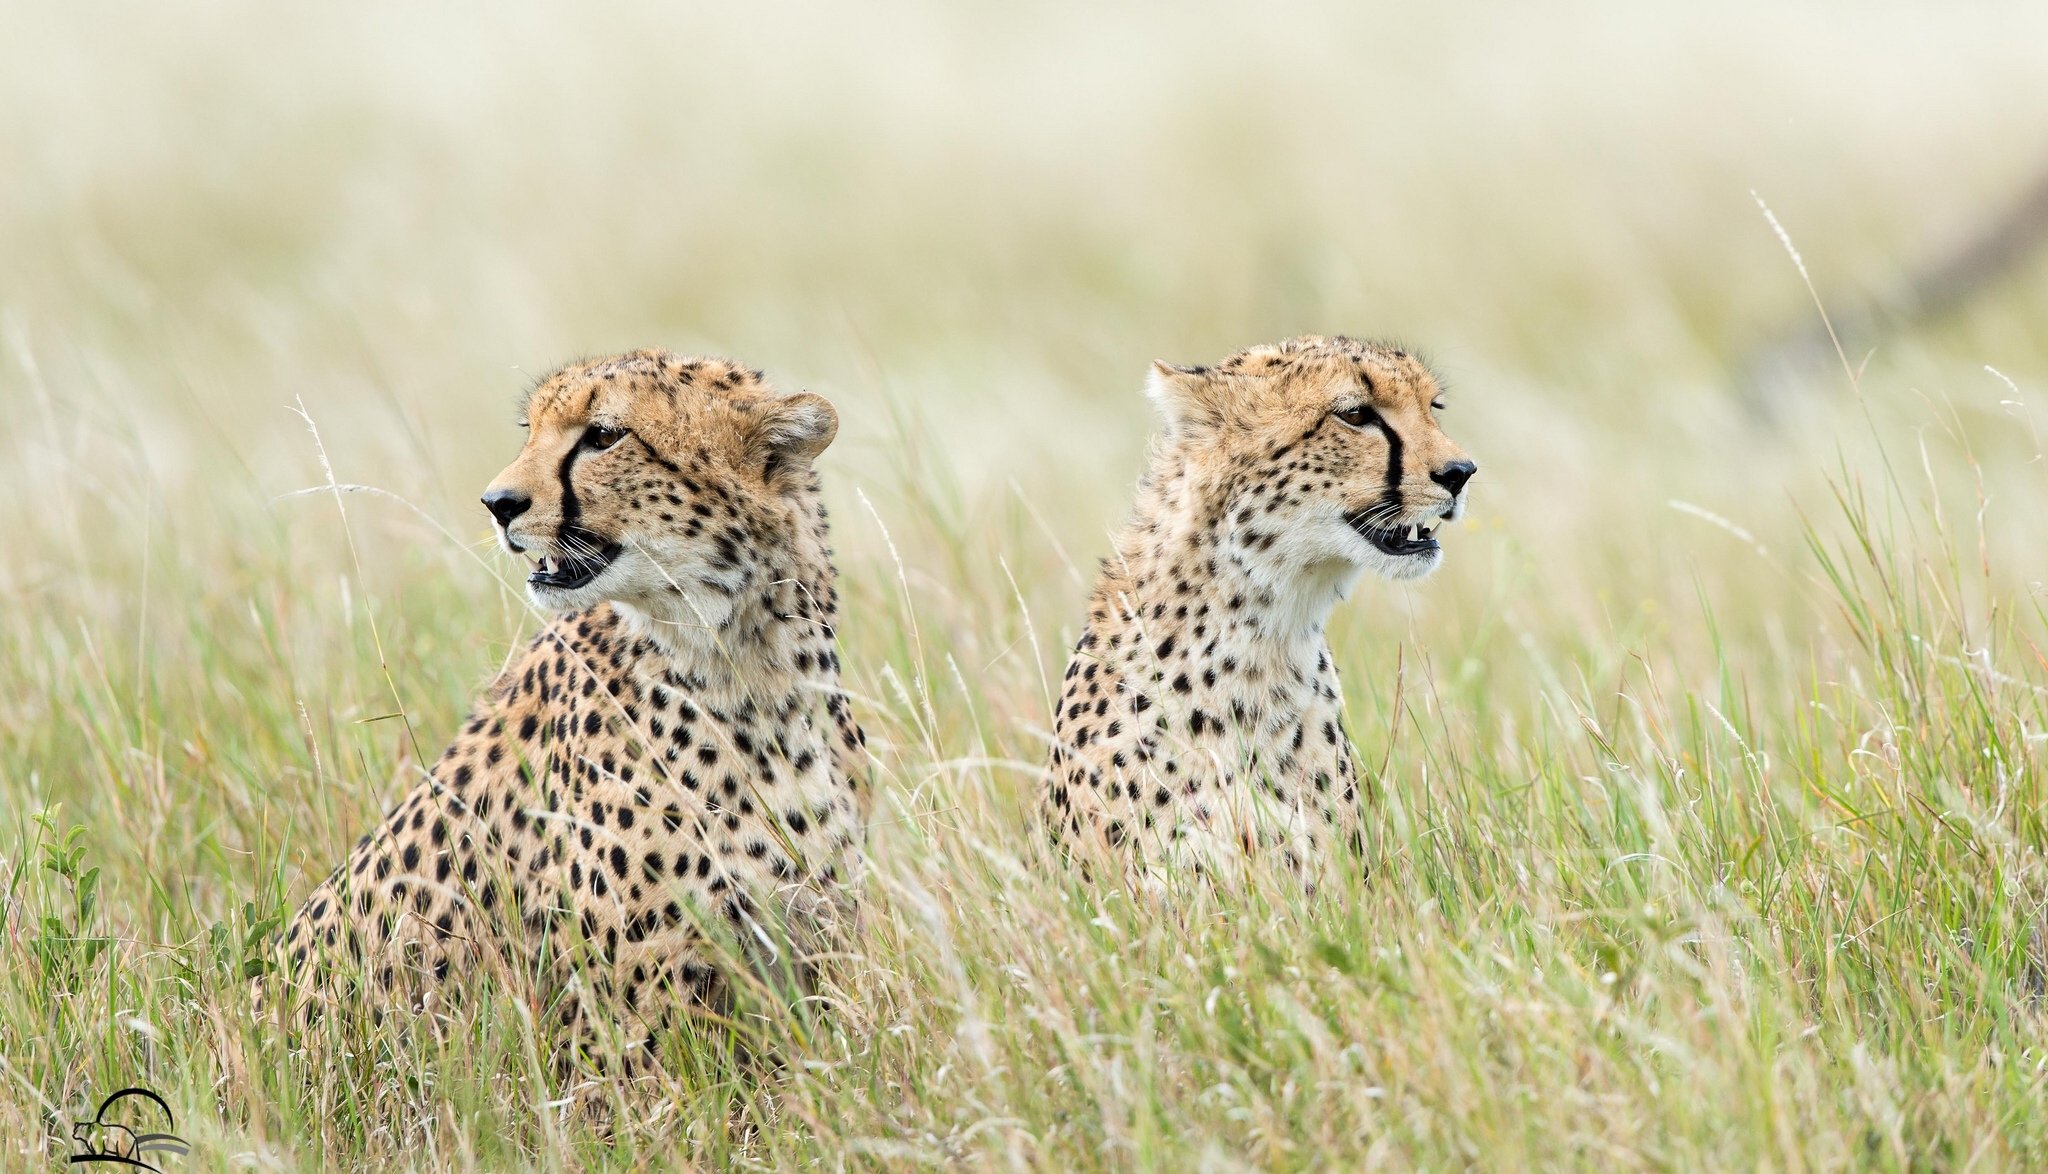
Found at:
<point>1410,541</point>
<point>566,572</point>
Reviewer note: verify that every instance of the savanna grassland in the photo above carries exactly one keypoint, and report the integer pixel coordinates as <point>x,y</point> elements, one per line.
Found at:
<point>1708,827</point>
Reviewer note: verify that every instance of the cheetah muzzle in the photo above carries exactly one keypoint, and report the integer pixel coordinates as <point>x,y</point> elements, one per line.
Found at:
<point>1401,541</point>
<point>586,556</point>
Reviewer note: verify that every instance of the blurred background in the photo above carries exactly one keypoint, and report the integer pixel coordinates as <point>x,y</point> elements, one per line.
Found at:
<point>972,226</point>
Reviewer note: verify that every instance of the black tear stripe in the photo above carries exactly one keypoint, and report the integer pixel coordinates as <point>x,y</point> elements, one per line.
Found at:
<point>571,508</point>
<point>1393,468</point>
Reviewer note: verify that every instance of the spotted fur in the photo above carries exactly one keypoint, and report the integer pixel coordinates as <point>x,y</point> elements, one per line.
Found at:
<point>1200,724</point>
<point>670,767</point>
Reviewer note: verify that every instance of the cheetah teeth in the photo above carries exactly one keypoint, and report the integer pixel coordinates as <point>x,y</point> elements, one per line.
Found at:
<point>1402,539</point>
<point>569,572</point>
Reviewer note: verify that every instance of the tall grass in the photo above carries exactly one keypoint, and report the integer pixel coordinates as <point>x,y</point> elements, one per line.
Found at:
<point>1707,826</point>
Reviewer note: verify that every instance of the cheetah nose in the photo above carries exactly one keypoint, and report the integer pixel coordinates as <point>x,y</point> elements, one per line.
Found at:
<point>506,504</point>
<point>1454,475</point>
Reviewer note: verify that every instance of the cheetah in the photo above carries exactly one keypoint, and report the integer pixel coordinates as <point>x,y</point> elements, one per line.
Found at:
<point>1200,725</point>
<point>671,765</point>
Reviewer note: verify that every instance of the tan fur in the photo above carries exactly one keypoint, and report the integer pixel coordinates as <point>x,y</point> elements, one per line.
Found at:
<point>1201,725</point>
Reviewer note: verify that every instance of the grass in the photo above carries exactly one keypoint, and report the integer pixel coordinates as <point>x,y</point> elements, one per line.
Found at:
<point>1708,829</point>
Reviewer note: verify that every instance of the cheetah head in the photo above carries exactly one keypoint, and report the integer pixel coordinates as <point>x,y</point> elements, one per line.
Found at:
<point>658,480</point>
<point>1318,458</point>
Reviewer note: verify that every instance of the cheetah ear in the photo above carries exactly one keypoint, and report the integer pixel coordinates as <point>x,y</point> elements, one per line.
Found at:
<point>1186,396</point>
<point>791,430</point>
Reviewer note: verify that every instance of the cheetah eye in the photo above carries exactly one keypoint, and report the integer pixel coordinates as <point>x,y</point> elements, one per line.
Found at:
<point>600,438</point>
<point>1358,415</point>
<point>1436,404</point>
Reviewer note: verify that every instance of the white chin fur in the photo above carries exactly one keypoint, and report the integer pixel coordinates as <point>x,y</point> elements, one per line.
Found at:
<point>1401,569</point>
<point>558,599</point>
<point>1333,554</point>
<point>677,606</point>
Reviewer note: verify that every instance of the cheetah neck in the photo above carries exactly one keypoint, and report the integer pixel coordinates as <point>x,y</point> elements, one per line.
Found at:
<point>771,638</point>
<point>1176,575</point>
